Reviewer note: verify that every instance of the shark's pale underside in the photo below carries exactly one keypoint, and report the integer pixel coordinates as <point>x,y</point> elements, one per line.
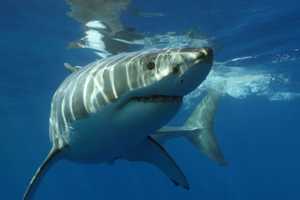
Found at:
<point>118,108</point>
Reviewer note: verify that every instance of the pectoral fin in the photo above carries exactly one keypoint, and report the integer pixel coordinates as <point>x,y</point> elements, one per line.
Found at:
<point>152,152</point>
<point>40,172</point>
<point>71,68</point>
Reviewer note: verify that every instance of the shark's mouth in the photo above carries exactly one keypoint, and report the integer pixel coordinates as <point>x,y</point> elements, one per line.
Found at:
<point>158,99</point>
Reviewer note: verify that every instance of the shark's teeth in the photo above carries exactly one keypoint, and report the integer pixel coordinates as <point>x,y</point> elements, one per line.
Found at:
<point>158,98</point>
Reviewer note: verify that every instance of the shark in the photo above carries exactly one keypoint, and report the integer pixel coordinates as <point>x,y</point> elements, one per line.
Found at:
<point>119,108</point>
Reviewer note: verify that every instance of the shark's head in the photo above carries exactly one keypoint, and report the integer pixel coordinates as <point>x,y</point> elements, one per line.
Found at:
<point>168,72</point>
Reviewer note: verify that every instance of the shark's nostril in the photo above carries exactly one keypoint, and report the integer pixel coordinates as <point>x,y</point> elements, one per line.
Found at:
<point>202,54</point>
<point>205,53</point>
<point>176,69</point>
<point>208,51</point>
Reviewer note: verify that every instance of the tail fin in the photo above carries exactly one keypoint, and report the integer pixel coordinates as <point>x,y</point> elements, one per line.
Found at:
<point>198,129</point>
<point>203,119</point>
<point>40,172</point>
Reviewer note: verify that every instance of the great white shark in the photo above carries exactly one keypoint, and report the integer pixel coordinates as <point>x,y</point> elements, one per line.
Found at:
<point>118,108</point>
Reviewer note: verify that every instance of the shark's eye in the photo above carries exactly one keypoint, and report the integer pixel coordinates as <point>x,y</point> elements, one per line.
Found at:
<point>151,65</point>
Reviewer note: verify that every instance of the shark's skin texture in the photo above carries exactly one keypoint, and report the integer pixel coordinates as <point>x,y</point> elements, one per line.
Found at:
<point>108,109</point>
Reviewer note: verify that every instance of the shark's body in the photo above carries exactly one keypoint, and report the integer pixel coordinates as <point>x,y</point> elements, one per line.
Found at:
<point>117,108</point>
<point>90,108</point>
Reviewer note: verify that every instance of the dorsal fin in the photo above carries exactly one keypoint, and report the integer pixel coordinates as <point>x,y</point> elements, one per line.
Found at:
<point>40,172</point>
<point>71,68</point>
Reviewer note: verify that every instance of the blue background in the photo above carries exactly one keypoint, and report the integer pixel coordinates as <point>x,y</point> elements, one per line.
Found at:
<point>259,138</point>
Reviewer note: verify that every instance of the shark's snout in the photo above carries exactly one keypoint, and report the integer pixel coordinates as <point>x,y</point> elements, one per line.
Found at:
<point>205,53</point>
<point>197,63</point>
<point>197,55</point>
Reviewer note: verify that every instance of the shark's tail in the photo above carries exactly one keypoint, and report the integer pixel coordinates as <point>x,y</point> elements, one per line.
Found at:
<point>203,119</point>
<point>199,129</point>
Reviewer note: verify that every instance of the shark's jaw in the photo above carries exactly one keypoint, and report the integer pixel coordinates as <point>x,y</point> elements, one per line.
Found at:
<point>158,99</point>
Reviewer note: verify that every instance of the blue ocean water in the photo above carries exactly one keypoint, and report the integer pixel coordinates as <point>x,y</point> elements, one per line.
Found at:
<point>259,136</point>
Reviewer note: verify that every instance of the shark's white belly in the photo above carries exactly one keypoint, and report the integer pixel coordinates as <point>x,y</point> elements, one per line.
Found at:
<point>111,133</point>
